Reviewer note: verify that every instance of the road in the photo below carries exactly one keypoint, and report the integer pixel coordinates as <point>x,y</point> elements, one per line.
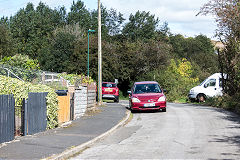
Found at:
<point>183,132</point>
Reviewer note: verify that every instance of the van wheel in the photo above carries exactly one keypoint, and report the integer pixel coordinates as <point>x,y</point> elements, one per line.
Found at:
<point>201,98</point>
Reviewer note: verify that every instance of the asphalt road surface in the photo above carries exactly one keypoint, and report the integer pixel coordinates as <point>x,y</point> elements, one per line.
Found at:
<point>183,132</point>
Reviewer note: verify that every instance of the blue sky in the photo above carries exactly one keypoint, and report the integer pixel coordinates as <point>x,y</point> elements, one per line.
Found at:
<point>180,14</point>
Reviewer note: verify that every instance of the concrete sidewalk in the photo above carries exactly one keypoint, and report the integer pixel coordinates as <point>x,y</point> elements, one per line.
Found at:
<point>63,142</point>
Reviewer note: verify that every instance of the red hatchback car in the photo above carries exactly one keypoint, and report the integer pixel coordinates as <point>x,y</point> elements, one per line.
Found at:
<point>147,95</point>
<point>110,91</point>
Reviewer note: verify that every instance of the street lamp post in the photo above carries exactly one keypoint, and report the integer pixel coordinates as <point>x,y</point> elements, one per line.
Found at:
<point>88,52</point>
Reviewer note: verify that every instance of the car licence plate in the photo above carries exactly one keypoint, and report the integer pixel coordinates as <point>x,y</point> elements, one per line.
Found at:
<point>108,89</point>
<point>149,105</point>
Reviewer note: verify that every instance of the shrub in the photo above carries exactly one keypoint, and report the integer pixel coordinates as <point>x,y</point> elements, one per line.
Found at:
<point>21,89</point>
<point>75,79</point>
<point>22,66</point>
<point>178,80</point>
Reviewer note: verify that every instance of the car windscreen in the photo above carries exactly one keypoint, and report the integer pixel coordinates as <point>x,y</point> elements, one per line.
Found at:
<point>147,88</point>
<point>109,84</point>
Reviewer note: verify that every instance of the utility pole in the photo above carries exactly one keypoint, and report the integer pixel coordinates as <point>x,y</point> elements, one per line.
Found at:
<point>99,55</point>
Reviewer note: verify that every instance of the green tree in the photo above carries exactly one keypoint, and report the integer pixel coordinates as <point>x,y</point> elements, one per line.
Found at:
<point>111,20</point>
<point>56,57</point>
<point>199,51</point>
<point>30,27</point>
<point>6,42</point>
<point>142,25</point>
<point>79,14</point>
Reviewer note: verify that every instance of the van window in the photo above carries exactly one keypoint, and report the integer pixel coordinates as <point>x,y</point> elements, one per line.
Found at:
<point>210,83</point>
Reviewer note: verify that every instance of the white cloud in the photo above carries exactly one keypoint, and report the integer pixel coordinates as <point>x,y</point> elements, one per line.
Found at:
<point>180,14</point>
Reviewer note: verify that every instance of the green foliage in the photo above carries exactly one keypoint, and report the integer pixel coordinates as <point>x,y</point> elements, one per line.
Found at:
<point>112,22</point>
<point>6,41</point>
<point>21,89</point>
<point>142,25</point>
<point>58,54</point>
<point>75,79</point>
<point>227,17</point>
<point>21,61</point>
<point>30,27</point>
<point>22,66</point>
<point>227,102</point>
<point>137,50</point>
<point>177,79</point>
<point>199,51</point>
<point>79,14</point>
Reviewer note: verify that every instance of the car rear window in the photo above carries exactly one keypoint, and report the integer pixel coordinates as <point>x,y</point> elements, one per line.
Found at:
<point>147,88</point>
<point>109,85</point>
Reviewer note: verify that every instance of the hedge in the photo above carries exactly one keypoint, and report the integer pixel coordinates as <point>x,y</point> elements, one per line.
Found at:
<point>21,89</point>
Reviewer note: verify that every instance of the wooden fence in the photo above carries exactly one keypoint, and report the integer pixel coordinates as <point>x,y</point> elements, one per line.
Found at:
<point>7,115</point>
<point>64,108</point>
<point>35,113</point>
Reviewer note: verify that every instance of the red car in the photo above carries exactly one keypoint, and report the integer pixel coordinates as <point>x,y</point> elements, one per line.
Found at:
<point>110,91</point>
<point>147,95</point>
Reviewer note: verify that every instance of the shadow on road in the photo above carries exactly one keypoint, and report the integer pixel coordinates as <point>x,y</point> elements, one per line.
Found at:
<point>234,127</point>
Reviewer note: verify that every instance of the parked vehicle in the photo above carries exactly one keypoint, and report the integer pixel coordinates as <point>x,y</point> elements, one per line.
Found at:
<point>110,91</point>
<point>210,87</point>
<point>147,95</point>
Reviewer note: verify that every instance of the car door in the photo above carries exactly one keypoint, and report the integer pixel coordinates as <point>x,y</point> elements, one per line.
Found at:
<point>212,88</point>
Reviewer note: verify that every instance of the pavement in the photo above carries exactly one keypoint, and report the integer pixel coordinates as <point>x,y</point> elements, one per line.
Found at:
<point>64,142</point>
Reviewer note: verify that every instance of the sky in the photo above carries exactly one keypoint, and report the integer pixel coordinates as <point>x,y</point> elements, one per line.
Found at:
<point>179,14</point>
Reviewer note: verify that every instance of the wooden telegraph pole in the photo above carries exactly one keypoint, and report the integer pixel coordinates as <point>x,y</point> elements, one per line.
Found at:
<point>99,56</point>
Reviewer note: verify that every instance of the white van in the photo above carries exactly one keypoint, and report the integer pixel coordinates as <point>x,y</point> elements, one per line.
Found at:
<point>210,87</point>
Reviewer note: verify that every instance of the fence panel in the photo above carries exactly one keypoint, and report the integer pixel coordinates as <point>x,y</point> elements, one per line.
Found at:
<point>36,113</point>
<point>91,97</point>
<point>7,115</point>
<point>64,108</point>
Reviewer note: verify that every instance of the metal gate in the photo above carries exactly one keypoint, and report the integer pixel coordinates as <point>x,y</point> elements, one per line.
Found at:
<point>35,113</point>
<point>7,118</point>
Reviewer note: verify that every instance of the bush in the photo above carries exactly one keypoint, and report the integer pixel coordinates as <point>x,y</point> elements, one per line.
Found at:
<point>21,89</point>
<point>227,102</point>
<point>21,66</point>
<point>75,79</point>
<point>177,79</point>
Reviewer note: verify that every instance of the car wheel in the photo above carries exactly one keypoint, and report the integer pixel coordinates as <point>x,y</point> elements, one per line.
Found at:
<point>164,110</point>
<point>201,98</point>
<point>116,100</point>
<point>132,111</point>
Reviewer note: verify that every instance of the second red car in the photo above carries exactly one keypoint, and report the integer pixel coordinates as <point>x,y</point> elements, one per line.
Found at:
<point>110,91</point>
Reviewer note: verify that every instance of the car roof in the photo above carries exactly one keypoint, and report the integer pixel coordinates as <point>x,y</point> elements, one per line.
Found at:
<point>146,82</point>
<point>109,82</point>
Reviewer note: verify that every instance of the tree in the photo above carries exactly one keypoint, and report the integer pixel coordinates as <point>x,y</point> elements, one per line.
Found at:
<point>56,57</point>
<point>6,42</point>
<point>199,51</point>
<point>227,16</point>
<point>30,28</point>
<point>111,22</point>
<point>79,14</point>
<point>142,25</point>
